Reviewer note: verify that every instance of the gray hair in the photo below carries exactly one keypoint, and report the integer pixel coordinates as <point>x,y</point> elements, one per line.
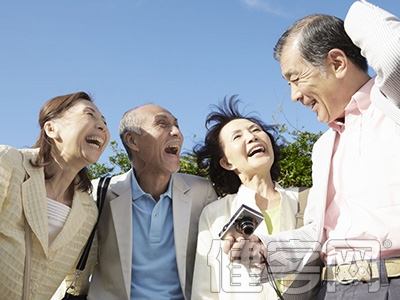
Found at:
<point>130,121</point>
<point>318,34</point>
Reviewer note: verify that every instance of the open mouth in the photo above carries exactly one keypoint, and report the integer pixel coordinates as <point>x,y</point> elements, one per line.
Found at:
<point>312,104</point>
<point>95,141</point>
<point>257,149</point>
<point>172,149</point>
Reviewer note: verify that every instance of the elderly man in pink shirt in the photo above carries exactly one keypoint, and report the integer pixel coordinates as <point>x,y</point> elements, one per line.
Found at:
<point>352,217</point>
<point>354,205</point>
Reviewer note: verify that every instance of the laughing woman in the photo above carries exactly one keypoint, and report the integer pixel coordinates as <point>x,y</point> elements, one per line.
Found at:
<point>240,155</point>
<point>46,210</point>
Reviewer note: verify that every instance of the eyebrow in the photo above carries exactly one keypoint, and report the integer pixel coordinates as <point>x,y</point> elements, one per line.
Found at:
<point>251,126</point>
<point>235,132</point>
<point>92,110</point>
<point>254,125</point>
<point>165,116</point>
<point>288,74</point>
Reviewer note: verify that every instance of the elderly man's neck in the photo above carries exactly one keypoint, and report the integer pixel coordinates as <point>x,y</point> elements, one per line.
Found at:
<point>153,184</point>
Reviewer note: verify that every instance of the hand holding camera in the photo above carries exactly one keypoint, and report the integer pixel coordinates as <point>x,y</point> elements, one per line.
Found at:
<point>239,242</point>
<point>243,223</point>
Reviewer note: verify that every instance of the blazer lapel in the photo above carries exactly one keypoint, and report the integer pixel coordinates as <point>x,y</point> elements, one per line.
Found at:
<point>76,218</point>
<point>181,207</point>
<point>34,202</point>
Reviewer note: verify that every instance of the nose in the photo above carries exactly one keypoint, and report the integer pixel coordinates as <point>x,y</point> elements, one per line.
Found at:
<point>251,137</point>
<point>175,130</point>
<point>296,95</point>
<point>101,125</point>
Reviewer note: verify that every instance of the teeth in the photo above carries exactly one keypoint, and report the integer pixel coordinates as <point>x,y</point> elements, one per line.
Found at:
<point>256,150</point>
<point>172,149</point>
<point>311,105</point>
<point>95,140</point>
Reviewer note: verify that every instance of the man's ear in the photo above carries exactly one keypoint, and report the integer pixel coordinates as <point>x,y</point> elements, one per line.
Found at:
<point>338,61</point>
<point>131,140</point>
<point>50,129</point>
<point>225,164</point>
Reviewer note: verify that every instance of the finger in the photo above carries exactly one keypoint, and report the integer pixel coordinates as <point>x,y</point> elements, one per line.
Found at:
<point>254,238</point>
<point>227,244</point>
<point>237,249</point>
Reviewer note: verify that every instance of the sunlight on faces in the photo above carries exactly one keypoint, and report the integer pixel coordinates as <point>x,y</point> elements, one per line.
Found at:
<point>315,87</point>
<point>247,148</point>
<point>80,134</point>
<point>160,144</point>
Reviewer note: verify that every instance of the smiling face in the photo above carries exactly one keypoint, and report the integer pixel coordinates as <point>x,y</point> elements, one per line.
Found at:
<point>317,88</point>
<point>80,134</point>
<point>247,148</point>
<point>157,149</point>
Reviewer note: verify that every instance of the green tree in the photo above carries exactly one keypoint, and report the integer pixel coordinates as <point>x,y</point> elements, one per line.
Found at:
<point>295,161</point>
<point>119,163</point>
<point>189,166</point>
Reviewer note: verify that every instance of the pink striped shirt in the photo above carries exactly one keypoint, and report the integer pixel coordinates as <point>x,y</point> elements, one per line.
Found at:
<point>364,187</point>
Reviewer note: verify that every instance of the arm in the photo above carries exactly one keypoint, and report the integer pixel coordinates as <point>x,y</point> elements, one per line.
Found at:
<point>377,33</point>
<point>292,250</point>
<point>10,158</point>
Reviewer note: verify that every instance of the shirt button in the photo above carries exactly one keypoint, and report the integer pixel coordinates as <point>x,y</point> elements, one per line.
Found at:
<point>155,215</point>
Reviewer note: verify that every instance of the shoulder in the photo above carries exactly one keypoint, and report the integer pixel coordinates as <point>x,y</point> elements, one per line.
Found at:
<point>191,179</point>
<point>186,182</point>
<point>198,188</point>
<point>12,157</point>
<point>8,152</point>
<point>219,206</point>
<point>289,194</point>
<point>216,214</point>
<point>119,184</point>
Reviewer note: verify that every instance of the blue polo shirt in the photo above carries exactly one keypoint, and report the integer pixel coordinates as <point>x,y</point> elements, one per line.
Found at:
<point>154,270</point>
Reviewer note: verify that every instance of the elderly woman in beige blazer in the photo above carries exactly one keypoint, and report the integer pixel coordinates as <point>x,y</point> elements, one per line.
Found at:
<point>46,210</point>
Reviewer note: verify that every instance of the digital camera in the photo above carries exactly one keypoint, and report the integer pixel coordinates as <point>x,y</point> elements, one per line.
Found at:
<point>243,222</point>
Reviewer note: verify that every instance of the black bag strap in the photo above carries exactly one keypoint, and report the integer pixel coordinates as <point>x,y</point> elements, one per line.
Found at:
<point>101,196</point>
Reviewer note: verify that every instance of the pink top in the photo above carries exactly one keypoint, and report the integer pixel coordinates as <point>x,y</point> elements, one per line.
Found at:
<point>363,204</point>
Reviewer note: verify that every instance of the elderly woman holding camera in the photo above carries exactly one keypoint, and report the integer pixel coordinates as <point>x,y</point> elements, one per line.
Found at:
<point>46,210</point>
<point>240,155</point>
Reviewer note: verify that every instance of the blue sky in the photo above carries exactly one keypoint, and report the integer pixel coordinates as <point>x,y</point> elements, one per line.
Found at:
<point>181,54</point>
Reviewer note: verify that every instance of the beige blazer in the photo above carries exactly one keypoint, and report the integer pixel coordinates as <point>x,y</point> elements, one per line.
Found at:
<point>112,275</point>
<point>23,195</point>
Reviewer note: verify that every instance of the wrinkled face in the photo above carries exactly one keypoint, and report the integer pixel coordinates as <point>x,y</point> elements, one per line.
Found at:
<point>247,148</point>
<point>314,87</point>
<point>80,134</point>
<point>160,144</point>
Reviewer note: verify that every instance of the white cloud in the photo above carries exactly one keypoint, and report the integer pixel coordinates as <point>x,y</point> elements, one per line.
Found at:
<point>269,6</point>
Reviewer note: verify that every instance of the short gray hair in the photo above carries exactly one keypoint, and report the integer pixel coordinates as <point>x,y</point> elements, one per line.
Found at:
<point>130,121</point>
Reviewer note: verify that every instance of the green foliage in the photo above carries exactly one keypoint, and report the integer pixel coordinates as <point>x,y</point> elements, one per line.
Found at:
<point>295,161</point>
<point>189,166</point>
<point>119,160</point>
<point>97,170</point>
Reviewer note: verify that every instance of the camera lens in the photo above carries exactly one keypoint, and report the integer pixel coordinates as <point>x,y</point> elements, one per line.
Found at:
<point>246,225</point>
